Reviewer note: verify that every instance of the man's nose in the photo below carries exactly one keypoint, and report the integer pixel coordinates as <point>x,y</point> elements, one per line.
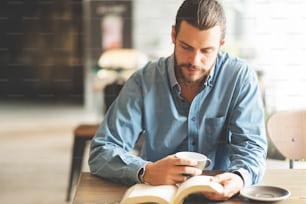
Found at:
<point>196,58</point>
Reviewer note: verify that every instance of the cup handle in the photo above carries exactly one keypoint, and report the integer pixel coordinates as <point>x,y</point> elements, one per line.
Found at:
<point>208,163</point>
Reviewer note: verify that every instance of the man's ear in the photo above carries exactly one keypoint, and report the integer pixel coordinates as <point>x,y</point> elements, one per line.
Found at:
<point>222,43</point>
<point>173,34</point>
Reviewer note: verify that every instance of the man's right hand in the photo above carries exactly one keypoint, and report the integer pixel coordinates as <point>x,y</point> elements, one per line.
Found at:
<point>170,170</point>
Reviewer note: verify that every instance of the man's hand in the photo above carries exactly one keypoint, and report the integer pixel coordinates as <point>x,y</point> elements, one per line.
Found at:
<point>170,170</point>
<point>232,184</point>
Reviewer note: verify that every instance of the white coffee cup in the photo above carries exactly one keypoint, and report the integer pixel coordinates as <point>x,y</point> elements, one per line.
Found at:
<point>202,160</point>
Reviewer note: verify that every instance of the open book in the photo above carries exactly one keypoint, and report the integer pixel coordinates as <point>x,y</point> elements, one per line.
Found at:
<point>169,194</point>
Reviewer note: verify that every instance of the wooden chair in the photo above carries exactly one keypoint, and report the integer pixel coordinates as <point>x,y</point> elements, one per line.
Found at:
<point>83,134</point>
<point>287,131</point>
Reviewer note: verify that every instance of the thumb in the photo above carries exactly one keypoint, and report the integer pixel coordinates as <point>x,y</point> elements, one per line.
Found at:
<point>221,178</point>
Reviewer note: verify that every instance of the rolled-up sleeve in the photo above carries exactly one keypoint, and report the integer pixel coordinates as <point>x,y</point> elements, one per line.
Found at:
<point>247,135</point>
<point>109,156</point>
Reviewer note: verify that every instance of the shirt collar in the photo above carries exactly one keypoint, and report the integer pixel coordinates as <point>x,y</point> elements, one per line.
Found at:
<point>171,72</point>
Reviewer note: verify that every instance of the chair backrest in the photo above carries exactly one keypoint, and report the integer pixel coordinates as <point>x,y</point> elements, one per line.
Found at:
<point>287,131</point>
<point>124,61</point>
<point>111,91</point>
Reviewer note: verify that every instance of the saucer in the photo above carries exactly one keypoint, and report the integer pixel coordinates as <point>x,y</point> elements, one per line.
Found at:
<point>265,193</point>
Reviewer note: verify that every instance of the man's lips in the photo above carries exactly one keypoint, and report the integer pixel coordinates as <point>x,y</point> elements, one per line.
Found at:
<point>192,70</point>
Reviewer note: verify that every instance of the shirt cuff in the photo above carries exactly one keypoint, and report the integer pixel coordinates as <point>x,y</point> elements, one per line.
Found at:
<point>244,174</point>
<point>142,168</point>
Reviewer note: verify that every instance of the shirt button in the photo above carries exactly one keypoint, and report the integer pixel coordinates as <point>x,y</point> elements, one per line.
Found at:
<point>193,143</point>
<point>193,119</point>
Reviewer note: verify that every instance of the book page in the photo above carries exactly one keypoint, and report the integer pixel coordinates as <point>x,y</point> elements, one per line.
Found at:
<point>141,193</point>
<point>197,184</point>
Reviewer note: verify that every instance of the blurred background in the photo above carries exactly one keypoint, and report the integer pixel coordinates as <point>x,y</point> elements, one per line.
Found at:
<point>51,79</point>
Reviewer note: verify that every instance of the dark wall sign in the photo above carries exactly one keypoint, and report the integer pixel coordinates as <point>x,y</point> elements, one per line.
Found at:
<point>109,25</point>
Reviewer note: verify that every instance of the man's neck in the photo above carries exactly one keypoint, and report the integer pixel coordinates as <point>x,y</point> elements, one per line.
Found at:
<point>190,89</point>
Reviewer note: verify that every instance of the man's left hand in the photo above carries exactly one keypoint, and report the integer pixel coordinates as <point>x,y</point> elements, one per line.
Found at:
<point>232,184</point>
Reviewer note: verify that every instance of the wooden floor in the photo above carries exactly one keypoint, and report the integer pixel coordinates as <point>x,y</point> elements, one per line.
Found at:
<point>35,151</point>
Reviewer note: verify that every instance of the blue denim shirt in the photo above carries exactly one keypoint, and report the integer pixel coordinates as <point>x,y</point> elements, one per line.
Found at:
<point>225,122</point>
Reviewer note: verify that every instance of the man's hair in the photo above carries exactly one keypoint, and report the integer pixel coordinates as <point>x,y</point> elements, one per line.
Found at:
<point>203,14</point>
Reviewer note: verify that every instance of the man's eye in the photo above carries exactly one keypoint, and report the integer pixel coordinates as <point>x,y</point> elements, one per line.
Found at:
<point>207,51</point>
<point>186,47</point>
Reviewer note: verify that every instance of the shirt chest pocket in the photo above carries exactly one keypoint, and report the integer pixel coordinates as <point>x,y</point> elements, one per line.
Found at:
<point>214,131</point>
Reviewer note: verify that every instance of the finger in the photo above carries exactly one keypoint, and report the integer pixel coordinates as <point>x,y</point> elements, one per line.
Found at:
<point>185,162</point>
<point>180,178</point>
<point>191,170</point>
<point>172,159</point>
<point>231,183</point>
<point>222,177</point>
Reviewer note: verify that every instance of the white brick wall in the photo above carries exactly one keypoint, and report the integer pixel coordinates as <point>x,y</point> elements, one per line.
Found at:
<point>152,25</point>
<point>278,34</point>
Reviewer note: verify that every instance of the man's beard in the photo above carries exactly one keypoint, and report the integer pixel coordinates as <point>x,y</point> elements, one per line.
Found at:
<point>180,74</point>
<point>185,65</point>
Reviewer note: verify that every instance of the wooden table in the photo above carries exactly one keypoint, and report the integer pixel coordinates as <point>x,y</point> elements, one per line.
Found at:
<point>94,190</point>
